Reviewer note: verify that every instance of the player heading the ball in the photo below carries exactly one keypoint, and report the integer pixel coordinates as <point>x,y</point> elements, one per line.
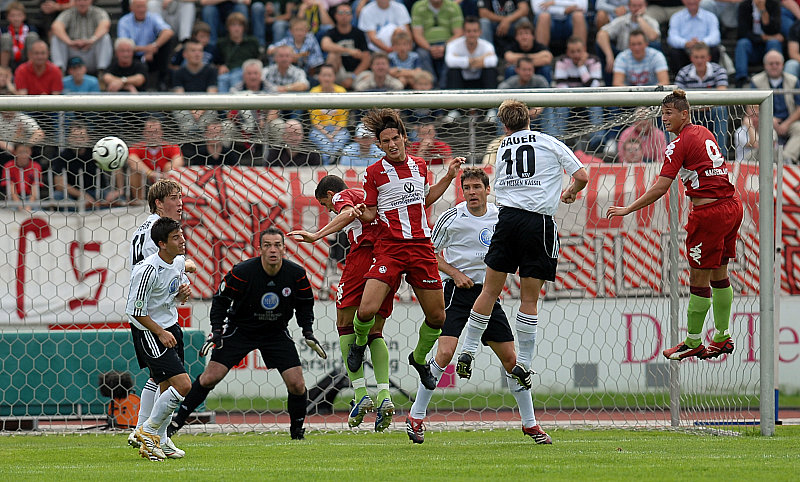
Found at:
<point>530,167</point>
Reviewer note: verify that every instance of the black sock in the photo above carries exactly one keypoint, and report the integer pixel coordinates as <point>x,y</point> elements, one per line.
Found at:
<point>194,398</point>
<point>296,405</point>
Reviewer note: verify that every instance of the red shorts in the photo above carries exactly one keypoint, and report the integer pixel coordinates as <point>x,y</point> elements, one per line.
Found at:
<point>711,233</point>
<point>414,258</point>
<point>351,285</point>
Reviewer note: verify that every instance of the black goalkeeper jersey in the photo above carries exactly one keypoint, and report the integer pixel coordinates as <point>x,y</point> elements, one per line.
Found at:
<point>255,301</point>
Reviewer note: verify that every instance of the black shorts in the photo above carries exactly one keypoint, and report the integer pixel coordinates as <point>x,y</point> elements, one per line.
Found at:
<point>277,348</point>
<point>525,240</point>
<point>458,303</point>
<point>164,363</point>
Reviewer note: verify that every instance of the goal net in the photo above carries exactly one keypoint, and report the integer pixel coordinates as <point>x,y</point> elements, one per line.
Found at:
<point>250,162</point>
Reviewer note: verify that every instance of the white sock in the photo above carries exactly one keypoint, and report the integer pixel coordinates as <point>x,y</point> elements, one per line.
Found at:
<point>146,400</point>
<point>524,402</point>
<point>476,325</point>
<point>419,409</point>
<point>359,382</point>
<point>526,337</point>
<point>162,409</point>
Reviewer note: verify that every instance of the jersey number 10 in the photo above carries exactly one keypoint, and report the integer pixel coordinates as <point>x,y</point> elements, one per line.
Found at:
<point>138,244</point>
<point>525,159</point>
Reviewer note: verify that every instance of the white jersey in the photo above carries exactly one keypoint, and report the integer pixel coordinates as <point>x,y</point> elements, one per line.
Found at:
<point>154,285</point>
<point>465,239</point>
<point>529,170</point>
<point>142,245</point>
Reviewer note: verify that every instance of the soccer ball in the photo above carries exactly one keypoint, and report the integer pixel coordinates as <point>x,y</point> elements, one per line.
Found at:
<point>110,153</point>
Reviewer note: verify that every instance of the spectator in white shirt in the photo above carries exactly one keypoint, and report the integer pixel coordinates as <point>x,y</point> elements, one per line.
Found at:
<point>471,61</point>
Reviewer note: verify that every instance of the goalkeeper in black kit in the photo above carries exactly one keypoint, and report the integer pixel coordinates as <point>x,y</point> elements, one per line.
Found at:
<point>252,309</point>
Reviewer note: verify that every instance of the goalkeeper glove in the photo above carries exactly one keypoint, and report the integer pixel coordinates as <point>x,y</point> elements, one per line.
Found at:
<point>214,340</point>
<point>314,344</point>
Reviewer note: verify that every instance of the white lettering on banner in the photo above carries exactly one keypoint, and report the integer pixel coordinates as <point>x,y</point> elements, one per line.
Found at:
<point>69,268</point>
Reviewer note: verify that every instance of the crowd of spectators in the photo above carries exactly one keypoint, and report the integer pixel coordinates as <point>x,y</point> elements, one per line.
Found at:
<point>334,46</point>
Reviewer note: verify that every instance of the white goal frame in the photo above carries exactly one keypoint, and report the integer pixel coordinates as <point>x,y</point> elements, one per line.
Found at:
<point>490,99</point>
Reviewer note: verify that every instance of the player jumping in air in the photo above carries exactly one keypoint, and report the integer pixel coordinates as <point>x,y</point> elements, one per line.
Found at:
<point>711,230</point>
<point>332,192</point>
<point>397,194</point>
<point>527,188</point>
<point>464,233</point>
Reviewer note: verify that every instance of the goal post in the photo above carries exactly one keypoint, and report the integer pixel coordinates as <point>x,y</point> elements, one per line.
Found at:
<point>630,276</point>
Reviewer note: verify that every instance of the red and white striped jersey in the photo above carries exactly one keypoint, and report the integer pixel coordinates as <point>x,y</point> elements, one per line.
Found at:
<point>357,232</point>
<point>399,190</point>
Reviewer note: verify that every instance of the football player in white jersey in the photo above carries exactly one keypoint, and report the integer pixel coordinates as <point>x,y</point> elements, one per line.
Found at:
<point>527,188</point>
<point>461,238</point>
<point>164,199</point>
<point>155,290</point>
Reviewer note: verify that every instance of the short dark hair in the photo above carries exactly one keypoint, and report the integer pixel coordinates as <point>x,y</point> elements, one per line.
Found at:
<point>162,228</point>
<point>471,19</point>
<point>330,182</point>
<point>474,173</point>
<point>637,32</point>
<point>270,231</point>
<point>524,60</point>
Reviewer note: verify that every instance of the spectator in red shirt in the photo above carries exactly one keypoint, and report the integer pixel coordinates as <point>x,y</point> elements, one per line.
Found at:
<point>429,148</point>
<point>38,75</point>
<point>22,177</point>
<point>151,159</point>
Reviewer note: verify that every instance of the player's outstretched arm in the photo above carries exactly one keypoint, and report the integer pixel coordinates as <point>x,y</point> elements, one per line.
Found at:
<point>649,197</point>
<point>345,217</point>
<point>580,179</point>
<point>438,189</point>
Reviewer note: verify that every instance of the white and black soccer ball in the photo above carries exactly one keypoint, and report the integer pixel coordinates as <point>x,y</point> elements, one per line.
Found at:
<point>110,153</point>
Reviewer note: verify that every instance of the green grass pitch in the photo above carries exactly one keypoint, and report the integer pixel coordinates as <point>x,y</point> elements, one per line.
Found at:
<point>591,455</point>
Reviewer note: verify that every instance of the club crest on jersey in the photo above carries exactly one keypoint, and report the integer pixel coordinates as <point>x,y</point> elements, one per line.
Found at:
<point>286,292</point>
<point>408,187</point>
<point>270,301</point>
<point>485,236</point>
<point>174,284</point>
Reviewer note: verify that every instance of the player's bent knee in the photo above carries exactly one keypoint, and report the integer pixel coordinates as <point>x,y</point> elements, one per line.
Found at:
<point>445,354</point>
<point>296,388</point>
<point>182,384</point>
<point>209,380</point>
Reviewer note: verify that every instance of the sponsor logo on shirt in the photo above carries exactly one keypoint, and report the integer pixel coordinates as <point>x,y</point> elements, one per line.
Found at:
<point>174,284</point>
<point>486,236</point>
<point>270,301</point>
